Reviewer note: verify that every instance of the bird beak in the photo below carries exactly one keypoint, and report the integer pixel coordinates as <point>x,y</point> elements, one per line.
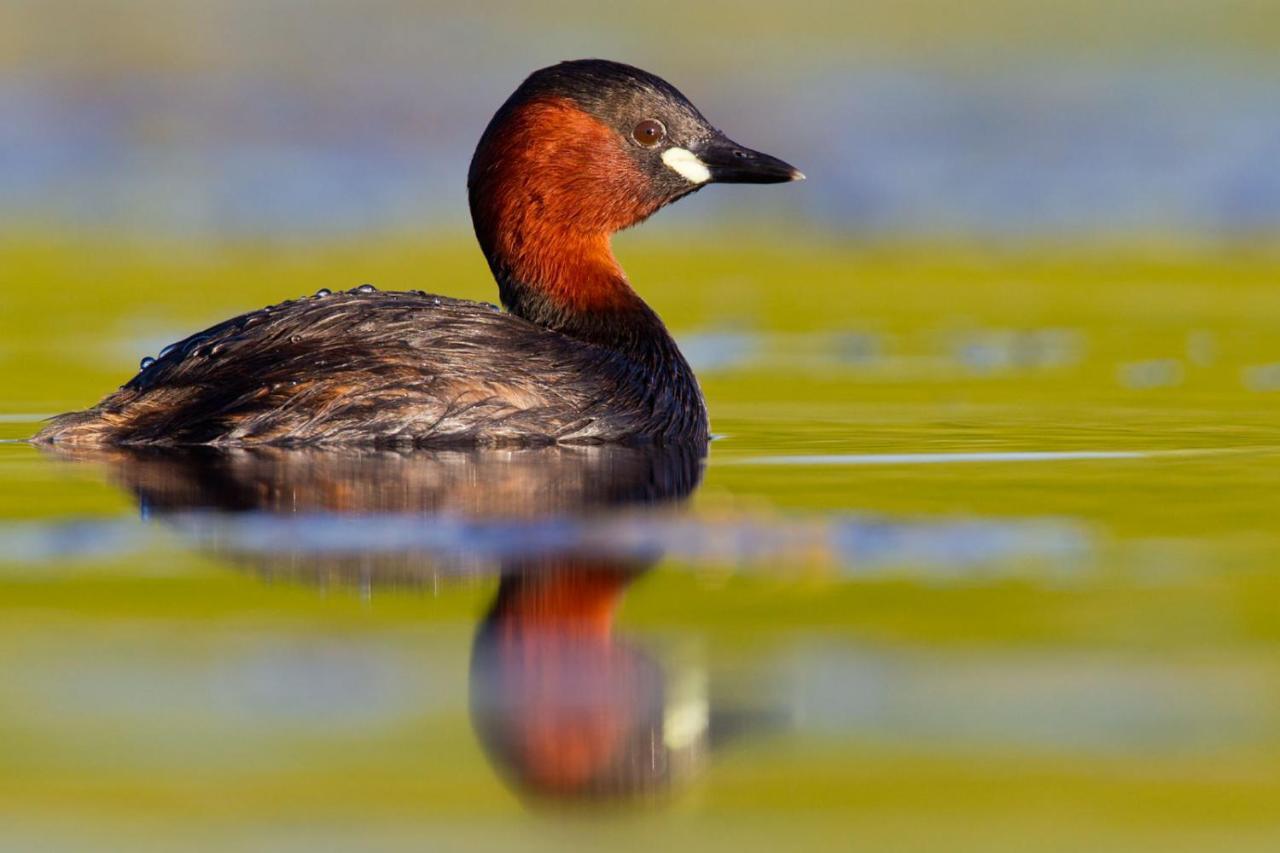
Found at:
<point>730,163</point>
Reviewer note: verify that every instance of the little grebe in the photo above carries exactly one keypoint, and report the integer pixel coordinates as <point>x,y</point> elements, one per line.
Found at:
<point>580,150</point>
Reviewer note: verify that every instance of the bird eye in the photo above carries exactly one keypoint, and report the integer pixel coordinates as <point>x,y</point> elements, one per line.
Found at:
<point>649,132</point>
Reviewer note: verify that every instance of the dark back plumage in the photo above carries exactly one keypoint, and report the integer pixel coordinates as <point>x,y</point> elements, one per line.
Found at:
<point>385,368</point>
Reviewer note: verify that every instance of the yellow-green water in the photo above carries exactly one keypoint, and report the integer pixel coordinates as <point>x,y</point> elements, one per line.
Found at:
<point>984,558</point>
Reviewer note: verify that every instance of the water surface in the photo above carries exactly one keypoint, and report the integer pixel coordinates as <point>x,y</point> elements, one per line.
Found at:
<point>984,553</point>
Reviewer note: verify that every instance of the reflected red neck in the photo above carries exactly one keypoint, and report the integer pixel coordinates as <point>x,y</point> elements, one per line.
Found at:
<point>574,603</point>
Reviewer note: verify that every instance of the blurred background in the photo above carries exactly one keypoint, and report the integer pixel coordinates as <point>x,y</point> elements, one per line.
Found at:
<point>996,119</point>
<point>983,558</point>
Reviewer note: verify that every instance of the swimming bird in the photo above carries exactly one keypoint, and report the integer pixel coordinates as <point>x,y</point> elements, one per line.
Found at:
<point>581,150</point>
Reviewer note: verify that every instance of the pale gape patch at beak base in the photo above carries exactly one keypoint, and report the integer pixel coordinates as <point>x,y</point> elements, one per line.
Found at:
<point>686,164</point>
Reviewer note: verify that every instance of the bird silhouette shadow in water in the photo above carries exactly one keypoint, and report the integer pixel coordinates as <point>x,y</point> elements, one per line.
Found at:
<point>566,710</point>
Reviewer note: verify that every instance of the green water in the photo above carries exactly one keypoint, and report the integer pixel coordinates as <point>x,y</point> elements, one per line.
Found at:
<point>984,558</point>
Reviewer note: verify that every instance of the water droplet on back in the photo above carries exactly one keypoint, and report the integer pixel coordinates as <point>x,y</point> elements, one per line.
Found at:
<point>146,362</point>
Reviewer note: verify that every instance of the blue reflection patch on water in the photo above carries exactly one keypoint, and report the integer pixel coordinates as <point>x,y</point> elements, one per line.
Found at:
<point>1054,699</point>
<point>849,546</point>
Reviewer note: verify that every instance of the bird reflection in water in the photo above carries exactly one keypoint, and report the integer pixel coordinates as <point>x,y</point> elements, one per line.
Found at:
<point>565,709</point>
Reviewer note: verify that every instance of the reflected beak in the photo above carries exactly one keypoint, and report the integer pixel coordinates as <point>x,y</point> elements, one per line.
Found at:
<point>730,163</point>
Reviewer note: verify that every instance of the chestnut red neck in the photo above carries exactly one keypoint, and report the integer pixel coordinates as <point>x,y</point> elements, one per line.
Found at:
<point>548,186</point>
